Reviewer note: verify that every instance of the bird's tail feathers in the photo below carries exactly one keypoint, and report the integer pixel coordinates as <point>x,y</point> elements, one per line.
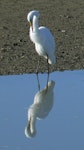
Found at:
<point>52,61</point>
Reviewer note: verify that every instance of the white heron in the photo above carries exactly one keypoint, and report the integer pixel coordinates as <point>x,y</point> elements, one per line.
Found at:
<point>43,102</point>
<point>42,38</point>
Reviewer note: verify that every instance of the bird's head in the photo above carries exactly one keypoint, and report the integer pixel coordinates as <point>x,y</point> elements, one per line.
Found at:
<point>31,14</point>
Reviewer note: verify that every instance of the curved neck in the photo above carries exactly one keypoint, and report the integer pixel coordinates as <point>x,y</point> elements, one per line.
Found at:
<point>32,124</point>
<point>30,130</point>
<point>35,24</point>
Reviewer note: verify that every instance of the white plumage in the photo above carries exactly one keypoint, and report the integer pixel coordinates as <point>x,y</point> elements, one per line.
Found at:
<point>43,102</point>
<point>42,38</point>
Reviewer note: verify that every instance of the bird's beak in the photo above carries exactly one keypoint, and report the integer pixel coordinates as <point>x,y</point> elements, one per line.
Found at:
<point>29,125</point>
<point>29,122</point>
<point>30,23</point>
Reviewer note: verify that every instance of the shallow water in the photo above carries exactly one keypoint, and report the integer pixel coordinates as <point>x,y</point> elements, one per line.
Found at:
<point>63,128</point>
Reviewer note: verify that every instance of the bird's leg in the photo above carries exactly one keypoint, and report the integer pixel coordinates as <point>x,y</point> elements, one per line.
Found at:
<point>38,81</point>
<point>37,67</point>
<point>48,72</point>
<point>37,76</point>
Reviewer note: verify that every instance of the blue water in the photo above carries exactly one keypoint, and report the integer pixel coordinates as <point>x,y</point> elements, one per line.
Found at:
<point>63,129</point>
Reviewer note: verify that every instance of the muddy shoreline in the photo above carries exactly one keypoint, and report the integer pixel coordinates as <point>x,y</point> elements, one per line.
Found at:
<point>64,18</point>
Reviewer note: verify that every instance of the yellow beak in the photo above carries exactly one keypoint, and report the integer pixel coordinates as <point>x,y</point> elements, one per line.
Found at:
<point>30,23</point>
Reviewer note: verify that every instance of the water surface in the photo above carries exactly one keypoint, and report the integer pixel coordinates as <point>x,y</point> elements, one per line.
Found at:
<point>62,129</point>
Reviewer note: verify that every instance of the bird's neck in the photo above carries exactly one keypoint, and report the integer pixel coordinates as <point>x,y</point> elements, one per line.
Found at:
<point>32,125</point>
<point>35,24</point>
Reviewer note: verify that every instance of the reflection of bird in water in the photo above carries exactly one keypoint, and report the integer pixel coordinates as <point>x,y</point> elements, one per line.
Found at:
<point>43,102</point>
<point>42,38</point>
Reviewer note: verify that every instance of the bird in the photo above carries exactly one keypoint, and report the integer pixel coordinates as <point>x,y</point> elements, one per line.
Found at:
<point>42,37</point>
<point>42,105</point>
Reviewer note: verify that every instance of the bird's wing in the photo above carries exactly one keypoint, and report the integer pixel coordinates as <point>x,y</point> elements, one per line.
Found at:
<point>48,43</point>
<point>47,40</point>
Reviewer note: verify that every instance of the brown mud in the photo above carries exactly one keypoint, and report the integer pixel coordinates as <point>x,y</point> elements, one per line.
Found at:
<point>65,18</point>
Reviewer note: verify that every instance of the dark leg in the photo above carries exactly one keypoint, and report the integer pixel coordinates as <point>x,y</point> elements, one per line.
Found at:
<point>38,81</point>
<point>37,76</point>
<point>37,67</point>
